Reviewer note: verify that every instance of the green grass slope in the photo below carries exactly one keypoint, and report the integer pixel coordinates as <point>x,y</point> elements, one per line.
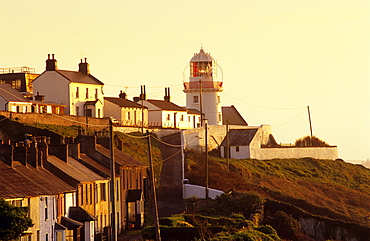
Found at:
<point>326,188</point>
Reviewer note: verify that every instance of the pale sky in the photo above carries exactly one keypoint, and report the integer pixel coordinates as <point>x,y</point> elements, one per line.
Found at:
<point>284,55</point>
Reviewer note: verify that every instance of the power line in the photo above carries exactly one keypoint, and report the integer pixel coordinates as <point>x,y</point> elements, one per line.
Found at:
<point>267,107</point>
<point>290,120</point>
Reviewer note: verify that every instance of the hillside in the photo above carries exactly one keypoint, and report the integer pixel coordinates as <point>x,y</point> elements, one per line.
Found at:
<point>329,189</point>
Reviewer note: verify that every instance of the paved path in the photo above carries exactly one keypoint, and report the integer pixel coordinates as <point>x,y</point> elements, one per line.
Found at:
<point>170,193</point>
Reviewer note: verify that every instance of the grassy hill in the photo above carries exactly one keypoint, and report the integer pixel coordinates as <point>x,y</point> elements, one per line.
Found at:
<point>331,189</point>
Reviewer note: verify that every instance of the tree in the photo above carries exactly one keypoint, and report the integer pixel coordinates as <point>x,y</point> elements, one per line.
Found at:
<point>310,141</point>
<point>13,221</point>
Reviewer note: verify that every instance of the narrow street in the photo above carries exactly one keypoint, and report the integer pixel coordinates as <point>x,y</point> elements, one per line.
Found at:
<point>170,192</point>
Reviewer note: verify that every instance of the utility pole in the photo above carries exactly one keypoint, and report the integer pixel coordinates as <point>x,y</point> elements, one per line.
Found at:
<point>206,146</point>
<point>309,119</point>
<point>112,182</point>
<point>154,193</point>
<point>227,145</point>
<point>201,102</point>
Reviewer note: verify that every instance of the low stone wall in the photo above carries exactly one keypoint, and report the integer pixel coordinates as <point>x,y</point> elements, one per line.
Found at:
<point>190,190</point>
<point>62,120</point>
<point>267,153</point>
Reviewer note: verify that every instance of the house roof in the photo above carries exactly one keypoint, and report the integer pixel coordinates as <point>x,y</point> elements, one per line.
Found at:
<point>70,223</point>
<point>22,181</point>
<point>120,157</point>
<point>193,111</point>
<point>74,169</point>
<point>78,77</point>
<point>10,94</point>
<point>134,195</point>
<point>46,103</point>
<point>231,115</point>
<point>240,137</point>
<point>166,105</point>
<point>123,102</point>
<point>79,214</point>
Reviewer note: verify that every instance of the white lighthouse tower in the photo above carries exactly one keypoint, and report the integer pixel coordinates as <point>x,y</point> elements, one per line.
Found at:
<point>203,90</point>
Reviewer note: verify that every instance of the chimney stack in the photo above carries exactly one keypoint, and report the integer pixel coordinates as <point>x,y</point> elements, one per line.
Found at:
<point>51,63</point>
<point>143,93</point>
<point>84,67</point>
<point>167,96</point>
<point>39,97</point>
<point>122,95</point>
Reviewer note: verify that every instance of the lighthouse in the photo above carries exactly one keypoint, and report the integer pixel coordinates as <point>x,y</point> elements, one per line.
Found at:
<point>204,88</point>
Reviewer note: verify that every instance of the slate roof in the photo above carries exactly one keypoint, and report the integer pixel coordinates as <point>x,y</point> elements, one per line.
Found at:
<point>22,181</point>
<point>78,77</point>
<point>232,115</point>
<point>74,169</point>
<point>134,195</point>
<point>79,214</point>
<point>166,105</point>
<point>193,111</point>
<point>240,137</point>
<point>10,94</point>
<point>120,157</point>
<point>123,102</point>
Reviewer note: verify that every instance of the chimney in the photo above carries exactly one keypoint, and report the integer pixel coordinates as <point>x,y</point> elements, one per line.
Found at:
<point>167,96</point>
<point>51,63</point>
<point>136,99</point>
<point>7,151</point>
<point>84,67</point>
<point>122,95</point>
<point>143,93</point>
<point>39,97</point>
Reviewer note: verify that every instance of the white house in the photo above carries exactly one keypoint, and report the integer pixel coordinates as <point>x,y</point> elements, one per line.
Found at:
<point>12,100</point>
<point>79,91</point>
<point>258,143</point>
<point>127,112</point>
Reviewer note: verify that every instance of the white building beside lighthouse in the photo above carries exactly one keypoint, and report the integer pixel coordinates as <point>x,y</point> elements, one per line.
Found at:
<point>203,89</point>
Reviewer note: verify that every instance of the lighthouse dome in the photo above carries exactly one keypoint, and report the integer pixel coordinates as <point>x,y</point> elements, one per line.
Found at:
<point>201,57</point>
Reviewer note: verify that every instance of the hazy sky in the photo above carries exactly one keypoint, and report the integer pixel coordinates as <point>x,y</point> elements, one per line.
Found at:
<point>277,57</point>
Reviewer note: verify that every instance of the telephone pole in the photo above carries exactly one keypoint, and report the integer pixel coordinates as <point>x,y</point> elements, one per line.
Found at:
<point>112,182</point>
<point>154,193</point>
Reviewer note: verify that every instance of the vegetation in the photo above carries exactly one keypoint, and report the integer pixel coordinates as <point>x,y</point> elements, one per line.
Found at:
<point>13,221</point>
<point>310,141</point>
<point>326,189</point>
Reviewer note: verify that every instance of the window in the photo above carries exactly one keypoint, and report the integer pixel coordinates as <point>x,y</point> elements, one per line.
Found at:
<point>16,84</point>
<point>182,118</point>
<point>77,92</point>
<point>96,93</point>
<point>189,119</point>
<point>47,237</point>
<point>87,93</point>
<point>237,149</point>
<point>103,192</point>
<point>219,117</point>
<point>218,99</point>
<point>168,117</point>
<point>77,111</point>
<point>195,100</point>
<point>98,113</point>
<point>46,208</point>
<point>69,235</point>
<point>86,194</point>
<point>91,193</point>
<point>128,116</point>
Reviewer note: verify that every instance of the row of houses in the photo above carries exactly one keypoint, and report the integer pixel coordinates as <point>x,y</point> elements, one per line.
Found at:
<point>79,93</point>
<point>67,187</point>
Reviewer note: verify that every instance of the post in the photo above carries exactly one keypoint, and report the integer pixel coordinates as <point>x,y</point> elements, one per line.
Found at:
<point>201,103</point>
<point>206,146</point>
<point>227,145</point>
<point>154,193</point>
<point>112,181</point>
<point>309,119</point>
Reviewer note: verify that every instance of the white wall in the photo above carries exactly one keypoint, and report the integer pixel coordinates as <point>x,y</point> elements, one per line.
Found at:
<point>190,190</point>
<point>55,88</point>
<point>330,153</point>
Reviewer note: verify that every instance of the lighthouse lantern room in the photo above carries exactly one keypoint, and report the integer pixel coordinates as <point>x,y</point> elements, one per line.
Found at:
<point>203,90</point>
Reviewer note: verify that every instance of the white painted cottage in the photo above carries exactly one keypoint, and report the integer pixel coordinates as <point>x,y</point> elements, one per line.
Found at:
<point>79,91</point>
<point>12,100</point>
<point>126,112</point>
